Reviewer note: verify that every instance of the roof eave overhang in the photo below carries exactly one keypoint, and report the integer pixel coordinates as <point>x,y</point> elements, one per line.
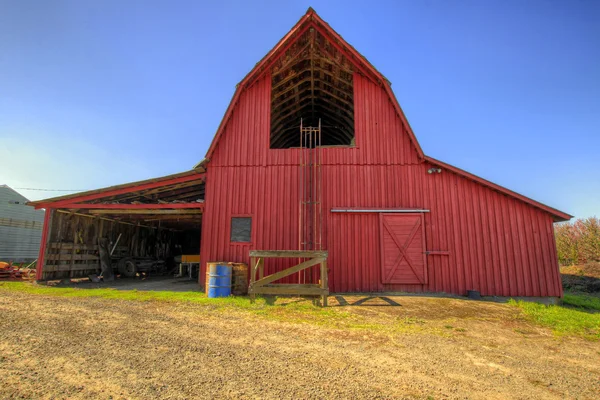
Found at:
<point>557,215</point>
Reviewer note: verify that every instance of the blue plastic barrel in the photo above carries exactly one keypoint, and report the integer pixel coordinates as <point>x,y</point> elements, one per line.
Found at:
<point>219,280</point>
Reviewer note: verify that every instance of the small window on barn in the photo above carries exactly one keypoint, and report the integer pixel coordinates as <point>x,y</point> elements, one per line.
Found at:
<point>312,81</point>
<point>241,229</point>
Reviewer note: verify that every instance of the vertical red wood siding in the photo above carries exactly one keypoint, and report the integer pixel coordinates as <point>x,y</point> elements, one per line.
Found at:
<point>497,244</point>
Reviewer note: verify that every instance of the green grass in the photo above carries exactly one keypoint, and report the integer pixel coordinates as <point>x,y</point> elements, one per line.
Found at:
<point>582,301</point>
<point>142,296</point>
<point>574,319</point>
<point>285,309</point>
<point>563,320</point>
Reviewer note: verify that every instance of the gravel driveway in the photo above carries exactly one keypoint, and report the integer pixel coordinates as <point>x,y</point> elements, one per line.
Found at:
<point>57,347</point>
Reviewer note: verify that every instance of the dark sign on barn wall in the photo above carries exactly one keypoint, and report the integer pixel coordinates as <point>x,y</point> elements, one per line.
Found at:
<point>241,228</point>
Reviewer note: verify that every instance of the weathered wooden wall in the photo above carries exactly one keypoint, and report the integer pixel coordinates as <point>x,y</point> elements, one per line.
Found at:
<point>72,249</point>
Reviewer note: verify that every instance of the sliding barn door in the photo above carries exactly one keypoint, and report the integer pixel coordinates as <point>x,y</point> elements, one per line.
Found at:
<point>403,258</point>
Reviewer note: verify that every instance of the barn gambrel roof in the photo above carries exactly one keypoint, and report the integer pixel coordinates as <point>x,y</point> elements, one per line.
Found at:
<point>365,68</point>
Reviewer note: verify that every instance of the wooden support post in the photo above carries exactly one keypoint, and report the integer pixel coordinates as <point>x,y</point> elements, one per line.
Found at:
<point>261,268</point>
<point>252,277</point>
<point>73,251</point>
<point>324,283</point>
<point>43,243</point>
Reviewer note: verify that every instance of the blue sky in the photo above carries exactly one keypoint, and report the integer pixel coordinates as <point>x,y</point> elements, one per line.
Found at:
<point>96,93</point>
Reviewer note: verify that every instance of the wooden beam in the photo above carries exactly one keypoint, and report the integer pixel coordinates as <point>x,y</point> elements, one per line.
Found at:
<point>290,77</point>
<point>144,206</point>
<point>135,188</point>
<point>71,267</point>
<point>174,218</point>
<point>253,267</point>
<point>289,111</point>
<point>43,243</point>
<point>275,96</point>
<point>288,271</point>
<point>324,283</point>
<point>291,289</point>
<point>145,211</point>
<point>295,105</point>
<point>71,257</point>
<point>160,190</point>
<point>281,68</point>
<point>289,253</point>
<point>69,246</point>
<point>336,97</point>
<point>330,58</point>
<point>102,219</point>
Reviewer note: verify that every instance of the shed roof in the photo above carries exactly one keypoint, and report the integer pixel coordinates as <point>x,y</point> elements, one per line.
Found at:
<point>117,189</point>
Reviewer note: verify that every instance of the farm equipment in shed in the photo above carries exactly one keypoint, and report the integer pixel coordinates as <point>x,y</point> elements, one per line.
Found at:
<point>130,267</point>
<point>117,260</point>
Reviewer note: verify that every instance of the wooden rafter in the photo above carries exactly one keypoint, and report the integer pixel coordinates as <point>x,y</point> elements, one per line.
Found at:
<point>144,206</point>
<point>124,189</point>
<point>155,211</point>
<point>313,80</point>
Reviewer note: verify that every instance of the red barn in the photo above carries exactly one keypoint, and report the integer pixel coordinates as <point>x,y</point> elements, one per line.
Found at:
<point>314,152</point>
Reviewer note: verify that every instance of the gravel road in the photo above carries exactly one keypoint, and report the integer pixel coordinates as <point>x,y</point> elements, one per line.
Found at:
<point>57,347</point>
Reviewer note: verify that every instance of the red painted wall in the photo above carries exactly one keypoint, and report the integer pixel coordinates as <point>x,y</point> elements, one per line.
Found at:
<point>497,244</point>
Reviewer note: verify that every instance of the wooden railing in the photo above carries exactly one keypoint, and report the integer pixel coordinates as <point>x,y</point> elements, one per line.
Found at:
<point>265,285</point>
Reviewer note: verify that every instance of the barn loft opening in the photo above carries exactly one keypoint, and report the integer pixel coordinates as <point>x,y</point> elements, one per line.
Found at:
<point>312,81</point>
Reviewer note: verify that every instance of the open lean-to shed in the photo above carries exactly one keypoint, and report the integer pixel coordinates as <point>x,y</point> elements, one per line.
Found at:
<point>315,153</point>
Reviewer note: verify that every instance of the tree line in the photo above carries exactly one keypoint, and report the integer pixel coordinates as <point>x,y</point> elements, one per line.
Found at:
<point>578,242</point>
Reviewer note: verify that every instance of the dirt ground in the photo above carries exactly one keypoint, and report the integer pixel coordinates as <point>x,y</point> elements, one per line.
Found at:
<point>57,347</point>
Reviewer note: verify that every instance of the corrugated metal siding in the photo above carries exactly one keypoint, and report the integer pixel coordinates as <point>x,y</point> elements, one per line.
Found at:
<point>496,244</point>
<point>20,227</point>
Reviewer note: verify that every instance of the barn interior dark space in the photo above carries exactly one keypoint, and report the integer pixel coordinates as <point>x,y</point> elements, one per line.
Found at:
<point>312,81</point>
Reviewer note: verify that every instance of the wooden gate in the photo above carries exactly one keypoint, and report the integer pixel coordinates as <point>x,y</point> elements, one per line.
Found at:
<point>403,258</point>
<point>265,285</point>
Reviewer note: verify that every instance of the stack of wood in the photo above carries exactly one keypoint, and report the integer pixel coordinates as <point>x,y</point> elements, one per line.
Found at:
<point>10,272</point>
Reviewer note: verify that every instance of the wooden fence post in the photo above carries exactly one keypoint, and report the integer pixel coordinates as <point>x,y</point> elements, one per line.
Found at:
<point>261,268</point>
<point>252,277</point>
<point>324,283</point>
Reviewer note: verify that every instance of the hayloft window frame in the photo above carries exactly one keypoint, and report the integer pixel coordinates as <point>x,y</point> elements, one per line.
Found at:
<point>314,82</point>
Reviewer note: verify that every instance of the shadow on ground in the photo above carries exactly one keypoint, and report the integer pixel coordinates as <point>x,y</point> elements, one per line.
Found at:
<point>152,284</point>
<point>366,301</point>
